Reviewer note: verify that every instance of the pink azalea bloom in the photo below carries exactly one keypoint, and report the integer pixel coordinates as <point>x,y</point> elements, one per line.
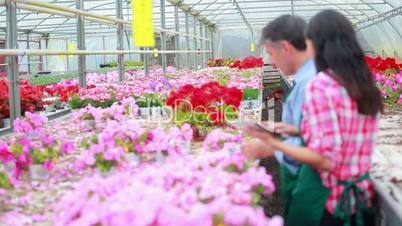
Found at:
<point>48,165</point>
<point>67,147</point>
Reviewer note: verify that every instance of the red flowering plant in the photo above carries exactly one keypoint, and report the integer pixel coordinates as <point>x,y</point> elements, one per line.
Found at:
<point>209,105</point>
<point>383,65</point>
<point>64,90</point>
<point>248,63</point>
<point>31,98</point>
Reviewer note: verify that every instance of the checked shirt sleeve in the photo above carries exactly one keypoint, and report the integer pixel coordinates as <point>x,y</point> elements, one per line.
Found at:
<point>320,126</point>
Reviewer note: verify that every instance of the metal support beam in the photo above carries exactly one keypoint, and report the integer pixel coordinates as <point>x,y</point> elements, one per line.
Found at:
<point>177,37</point>
<point>81,45</point>
<point>120,40</point>
<point>146,62</point>
<point>202,56</point>
<point>209,46</point>
<point>104,47</point>
<point>292,7</point>
<point>67,57</point>
<point>46,47</point>
<point>40,57</point>
<point>206,33</point>
<point>187,40</point>
<point>212,45</point>
<point>195,42</point>
<point>190,10</point>
<point>242,16</point>
<point>24,52</point>
<point>128,42</point>
<point>29,57</point>
<point>163,34</point>
<point>12,61</point>
<point>378,18</point>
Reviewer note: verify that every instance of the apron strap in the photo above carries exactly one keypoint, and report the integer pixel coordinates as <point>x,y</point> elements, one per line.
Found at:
<point>344,207</point>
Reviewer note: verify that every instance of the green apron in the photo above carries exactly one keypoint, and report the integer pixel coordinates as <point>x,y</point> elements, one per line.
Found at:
<point>308,199</point>
<point>288,183</point>
<point>304,197</point>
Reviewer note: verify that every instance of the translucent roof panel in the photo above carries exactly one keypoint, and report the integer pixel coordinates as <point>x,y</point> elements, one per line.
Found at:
<point>379,27</point>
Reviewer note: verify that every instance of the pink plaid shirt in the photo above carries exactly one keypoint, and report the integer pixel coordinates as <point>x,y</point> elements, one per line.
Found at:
<point>333,127</point>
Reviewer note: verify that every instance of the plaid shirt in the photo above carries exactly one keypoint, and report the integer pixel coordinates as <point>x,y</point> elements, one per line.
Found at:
<point>333,127</point>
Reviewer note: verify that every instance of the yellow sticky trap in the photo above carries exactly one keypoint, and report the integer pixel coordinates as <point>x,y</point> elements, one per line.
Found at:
<point>252,47</point>
<point>71,46</point>
<point>155,52</point>
<point>143,24</point>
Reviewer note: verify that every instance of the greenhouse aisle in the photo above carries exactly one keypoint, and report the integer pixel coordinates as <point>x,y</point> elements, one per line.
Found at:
<point>200,112</point>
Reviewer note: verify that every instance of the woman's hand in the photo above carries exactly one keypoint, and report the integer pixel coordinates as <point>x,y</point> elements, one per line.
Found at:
<point>255,149</point>
<point>265,137</point>
<point>281,128</point>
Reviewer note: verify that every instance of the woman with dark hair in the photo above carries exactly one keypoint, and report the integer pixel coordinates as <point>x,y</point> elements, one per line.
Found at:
<point>339,127</point>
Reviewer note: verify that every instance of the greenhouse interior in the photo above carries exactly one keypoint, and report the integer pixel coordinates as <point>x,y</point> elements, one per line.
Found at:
<point>201,112</point>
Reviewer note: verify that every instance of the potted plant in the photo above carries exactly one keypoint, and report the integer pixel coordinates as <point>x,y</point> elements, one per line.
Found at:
<point>250,98</point>
<point>42,162</point>
<point>206,107</point>
<point>155,104</point>
<point>144,107</point>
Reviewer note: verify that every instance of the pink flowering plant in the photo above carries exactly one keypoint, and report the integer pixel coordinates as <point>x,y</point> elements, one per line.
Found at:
<point>109,148</point>
<point>391,88</point>
<point>221,140</point>
<point>88,117</point>
<point>183,191</point>
<point>33,145</point>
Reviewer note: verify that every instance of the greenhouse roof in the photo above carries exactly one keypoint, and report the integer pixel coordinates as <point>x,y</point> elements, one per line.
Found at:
<point>379,21</point>
<point>220,13</point>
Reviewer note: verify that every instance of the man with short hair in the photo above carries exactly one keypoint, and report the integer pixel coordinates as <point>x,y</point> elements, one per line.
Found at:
<point>284,40</point>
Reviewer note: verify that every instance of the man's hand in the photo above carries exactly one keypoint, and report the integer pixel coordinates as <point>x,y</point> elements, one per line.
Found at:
<point>255,149</point>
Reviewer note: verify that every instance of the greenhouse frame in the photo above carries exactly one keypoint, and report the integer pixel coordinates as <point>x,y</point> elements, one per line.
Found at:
<point>80,58</point>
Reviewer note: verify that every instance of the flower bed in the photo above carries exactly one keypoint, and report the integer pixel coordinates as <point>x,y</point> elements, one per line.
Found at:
<point>391,88</point>
<point>246,63</point>
<point>105,89</point>
<point>388,75</point>
<point>209,185</point>
<point>381,65</point>
<point>31,98</point>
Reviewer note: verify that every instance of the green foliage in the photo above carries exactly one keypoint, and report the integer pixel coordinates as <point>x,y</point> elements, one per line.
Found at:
<point>142,103</point>
<point>77,103</point>
<point>247,74</point>
<point>256,197</point>
<point>224,80</point>
<point>52,78</point>
<point>16,149</point>
<point>218,219</point>
<point>251,94</point>
<point>182,117</point>
<point>102,164</point>
<point>231,113</point>
<point>392,97</point>
<point>127,63</point>
<point>4,181</point>
<point>150,100</point>
<point>40,156</point>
